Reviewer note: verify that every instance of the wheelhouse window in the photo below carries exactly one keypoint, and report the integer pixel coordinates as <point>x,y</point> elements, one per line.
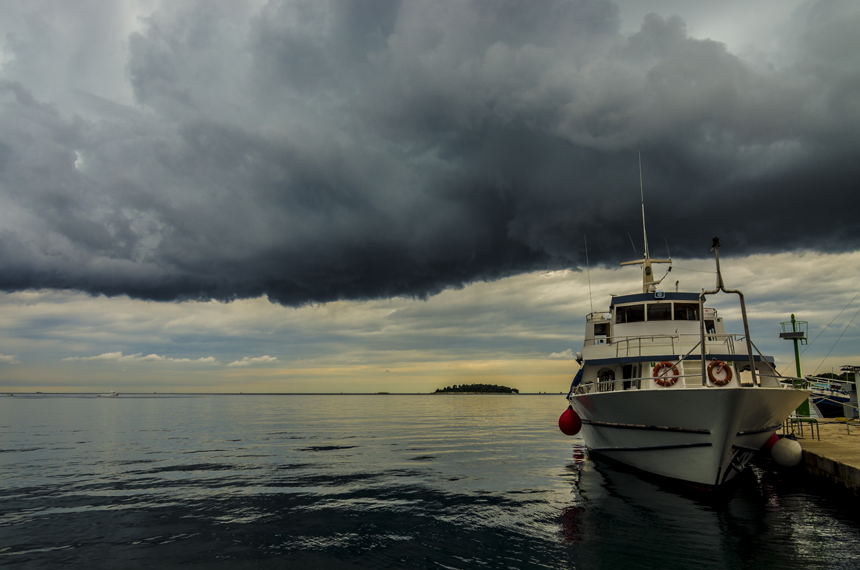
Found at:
<point>630,314</point>
<point>686,311</point>
<point>660,312</point>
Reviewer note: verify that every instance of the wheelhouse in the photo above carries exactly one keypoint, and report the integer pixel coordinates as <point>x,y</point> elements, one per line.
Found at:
<point>656,313</point>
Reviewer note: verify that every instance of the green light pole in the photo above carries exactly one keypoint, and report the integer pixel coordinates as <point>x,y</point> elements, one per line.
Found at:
<point>796,347</point>
<point>797,333</point>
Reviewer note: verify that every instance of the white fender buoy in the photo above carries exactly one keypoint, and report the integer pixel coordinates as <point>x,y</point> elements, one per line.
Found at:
<point>787,452</point>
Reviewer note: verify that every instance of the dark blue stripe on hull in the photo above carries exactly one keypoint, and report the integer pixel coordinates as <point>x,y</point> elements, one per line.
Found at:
<point>650,447</point>
<point>761,430</point>
<point>646,428</point>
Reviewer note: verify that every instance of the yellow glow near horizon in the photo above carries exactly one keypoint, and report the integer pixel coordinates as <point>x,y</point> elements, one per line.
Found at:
<point>520,332</point>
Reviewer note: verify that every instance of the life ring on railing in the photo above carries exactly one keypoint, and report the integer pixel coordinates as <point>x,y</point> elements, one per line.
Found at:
<point>723,374</point>
<point>665,374</point>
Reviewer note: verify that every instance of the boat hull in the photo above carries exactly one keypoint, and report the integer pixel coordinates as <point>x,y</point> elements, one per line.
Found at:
<point>830,406</point>
<point>704,436</point>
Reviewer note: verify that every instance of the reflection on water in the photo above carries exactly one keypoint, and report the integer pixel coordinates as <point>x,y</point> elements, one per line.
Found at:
<point>371,481</point>
<point>768,519</point>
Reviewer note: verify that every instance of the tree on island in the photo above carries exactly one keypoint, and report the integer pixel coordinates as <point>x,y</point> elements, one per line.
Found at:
<point>477,388</point>
<point>831,376</point>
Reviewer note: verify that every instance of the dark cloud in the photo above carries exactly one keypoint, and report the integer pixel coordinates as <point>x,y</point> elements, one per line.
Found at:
<point>314,151</point>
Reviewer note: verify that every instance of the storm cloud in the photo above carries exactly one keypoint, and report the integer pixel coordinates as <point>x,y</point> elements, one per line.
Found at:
<point>315,151</point>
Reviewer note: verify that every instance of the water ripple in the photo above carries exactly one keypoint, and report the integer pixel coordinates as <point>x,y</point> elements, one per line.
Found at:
<point>471,482</point>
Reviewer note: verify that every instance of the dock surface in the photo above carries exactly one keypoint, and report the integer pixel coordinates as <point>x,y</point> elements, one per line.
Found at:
<point>836,456</point>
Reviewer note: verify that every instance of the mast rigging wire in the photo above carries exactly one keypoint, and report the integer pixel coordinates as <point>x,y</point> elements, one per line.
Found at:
<point>837,340</point>
<point>633,244</point>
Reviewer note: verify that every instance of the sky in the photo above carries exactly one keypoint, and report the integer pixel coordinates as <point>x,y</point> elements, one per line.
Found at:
<point>213,196</point>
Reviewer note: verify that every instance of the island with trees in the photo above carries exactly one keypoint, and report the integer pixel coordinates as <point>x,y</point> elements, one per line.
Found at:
<point>476,389</point>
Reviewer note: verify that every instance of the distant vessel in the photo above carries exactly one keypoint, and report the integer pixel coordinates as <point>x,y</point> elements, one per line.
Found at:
<point>829,398</point>
<point>108,395</point>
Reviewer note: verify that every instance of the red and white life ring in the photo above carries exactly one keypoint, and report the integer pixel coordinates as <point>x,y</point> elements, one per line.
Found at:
<point>719,373</point>
<point>665,374</point>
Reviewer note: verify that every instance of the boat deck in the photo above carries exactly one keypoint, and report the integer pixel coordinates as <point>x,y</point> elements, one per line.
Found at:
<point>836,457</point>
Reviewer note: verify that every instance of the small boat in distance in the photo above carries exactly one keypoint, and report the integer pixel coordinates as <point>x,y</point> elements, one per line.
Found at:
<point>829,397</point>
<point>108,395</point>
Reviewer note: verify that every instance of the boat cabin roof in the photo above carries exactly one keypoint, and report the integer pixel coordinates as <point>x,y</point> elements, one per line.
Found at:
<point>655,296</point>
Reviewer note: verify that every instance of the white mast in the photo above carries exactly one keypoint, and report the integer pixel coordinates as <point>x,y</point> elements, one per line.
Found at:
<point>648,281</point>
<point>642,196</point>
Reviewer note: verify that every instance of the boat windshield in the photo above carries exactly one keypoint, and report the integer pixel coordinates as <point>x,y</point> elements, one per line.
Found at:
<point>630,314</point>
<point>657,312</point>
<point>686,311</point>
<point>660,312</point>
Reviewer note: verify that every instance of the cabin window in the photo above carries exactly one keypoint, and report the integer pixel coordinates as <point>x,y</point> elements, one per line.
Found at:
<point>660,312</point>
<point>686,311</point>
<point>601,329</point>
<point>630,314</point>
<point>606,379</point>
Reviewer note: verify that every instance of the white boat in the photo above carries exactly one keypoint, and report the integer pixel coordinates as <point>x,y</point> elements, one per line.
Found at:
<point>108,395</point>
<point>664,389</point>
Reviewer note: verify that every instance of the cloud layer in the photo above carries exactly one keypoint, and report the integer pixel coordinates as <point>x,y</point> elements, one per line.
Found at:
<point>249,360</point>
<point>524,330</point>
<point>314,151</point>
<point>127,358</point>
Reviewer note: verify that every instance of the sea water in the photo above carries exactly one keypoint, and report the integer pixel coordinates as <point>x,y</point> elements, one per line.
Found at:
<point>381,481</point>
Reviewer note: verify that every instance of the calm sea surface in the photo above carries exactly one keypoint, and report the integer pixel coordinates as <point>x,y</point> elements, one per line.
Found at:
<point>371,482</point>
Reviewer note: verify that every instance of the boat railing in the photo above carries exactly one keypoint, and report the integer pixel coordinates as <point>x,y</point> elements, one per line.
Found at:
<point>632,383</point>
<point>599,316</point>
<point>820,383</point>
<point>695,381</point>
<point>633,345</point>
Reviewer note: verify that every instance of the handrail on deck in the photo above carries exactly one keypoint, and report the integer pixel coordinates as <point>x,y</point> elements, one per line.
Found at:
<point>598,316</point>
<point>599,385</point>
<point>829,381</point>
<point>719,338</point>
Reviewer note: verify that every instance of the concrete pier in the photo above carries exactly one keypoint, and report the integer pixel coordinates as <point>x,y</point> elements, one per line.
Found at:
<point>836,457</point>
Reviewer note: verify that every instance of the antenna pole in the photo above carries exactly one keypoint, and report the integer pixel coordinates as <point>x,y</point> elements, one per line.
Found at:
<point>588,271</point>
<point>642,195</point>
<point>648,281</point>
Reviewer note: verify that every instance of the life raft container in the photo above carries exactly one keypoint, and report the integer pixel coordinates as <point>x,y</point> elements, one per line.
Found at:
<point>719,373</point>
<point>665,374</point>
